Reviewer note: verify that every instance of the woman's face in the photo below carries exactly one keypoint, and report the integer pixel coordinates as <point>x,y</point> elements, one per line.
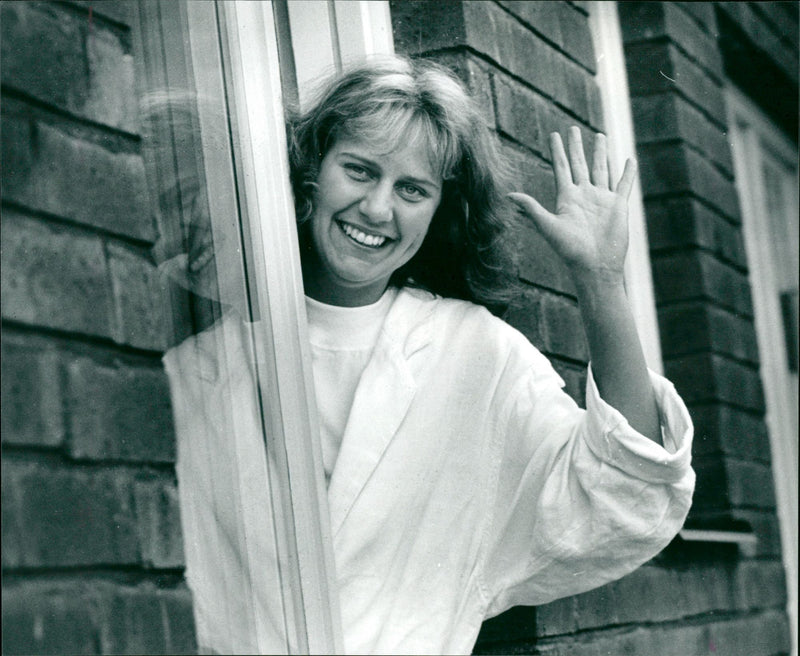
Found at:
<point>371,213</point>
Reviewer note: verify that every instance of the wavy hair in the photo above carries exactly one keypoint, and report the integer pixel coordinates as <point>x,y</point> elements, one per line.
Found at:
<point>467,252</point>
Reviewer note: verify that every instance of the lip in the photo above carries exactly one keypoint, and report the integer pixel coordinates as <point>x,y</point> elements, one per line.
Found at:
<point>341,224</point>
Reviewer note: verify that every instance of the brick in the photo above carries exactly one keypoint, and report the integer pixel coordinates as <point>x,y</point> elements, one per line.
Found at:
<point>134,624</point>
<point>763,524</point>
<point>557,617</point>
<point>69,517</point>
<point>706,377</point>
<point>744,483</point>
<point>760,584</point>
<point>693,275</point>
<point>119,413</point>
<point>54,56</point>
<point>648,594</point>
<point>521,114</point>
<point>418,27</point>
<point>519,622</point>
<point>675,222</point>
<point>544,17</point>
<point>766,529</point>
<point>477,79</point>
<point>491,31</point>
<point>539,263</point>
<point>652,20</point>
<point>48,170</point>
<point>38,622</point>
<point>551,323</point>
<point>765,633</point>
<point>627,641</point>
<point>576,35</point>
<point>31,394</point>
<point>731,431</point>
<point>140,300</point>
<point>561,24</point>
<point>702,13</point>
<point>691,327</point>
<point>574,377</point>
<point>669,116</point>
<point>529,118</point>
<point>11,526</point>
<point>53,277</point>
<point>596,607</point>
<point>736,636</point>
<point>159,525</point>
<point>703,588</point>
<point>781,20</point>
<point>677,168</point>
<point>177,608</point>
<point>658,67</point>
<point>91,616</point>
<point>761,36</point>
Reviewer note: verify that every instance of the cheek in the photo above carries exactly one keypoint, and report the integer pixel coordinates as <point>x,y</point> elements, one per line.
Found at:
<point>418,227</point>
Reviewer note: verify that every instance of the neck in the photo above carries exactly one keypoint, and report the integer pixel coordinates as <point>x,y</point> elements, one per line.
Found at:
<point>323,289</point>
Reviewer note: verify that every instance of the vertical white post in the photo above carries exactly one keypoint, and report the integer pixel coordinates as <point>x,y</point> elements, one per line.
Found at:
<point>249,31</point>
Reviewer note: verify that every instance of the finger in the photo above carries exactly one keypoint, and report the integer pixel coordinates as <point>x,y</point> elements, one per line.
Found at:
<point>560,162</point>
<point>577,159</point>
<point>600,162</point>
<point>545,221</point>
<point>626,181</point>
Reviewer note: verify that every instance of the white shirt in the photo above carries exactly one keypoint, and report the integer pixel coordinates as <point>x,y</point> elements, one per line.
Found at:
<point>467,482</point>
<point>342,339</point>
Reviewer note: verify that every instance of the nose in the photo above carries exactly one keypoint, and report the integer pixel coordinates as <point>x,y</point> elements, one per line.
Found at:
<point>376,205</point>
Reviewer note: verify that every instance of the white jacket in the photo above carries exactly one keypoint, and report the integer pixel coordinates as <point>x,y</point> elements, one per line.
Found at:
<point>467,482</point>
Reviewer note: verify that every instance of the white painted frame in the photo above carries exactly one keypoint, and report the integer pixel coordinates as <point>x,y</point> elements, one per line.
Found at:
<point>612,79</point>
<point>249,31</point>
<point>753,138</point>
<point>325,35</point>
<point>329,34</point>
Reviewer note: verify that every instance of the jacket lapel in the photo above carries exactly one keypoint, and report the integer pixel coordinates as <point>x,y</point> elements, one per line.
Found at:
<point>382,400</point>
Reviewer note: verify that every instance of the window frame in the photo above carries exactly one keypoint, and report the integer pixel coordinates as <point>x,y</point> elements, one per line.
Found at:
<point>752,137</point>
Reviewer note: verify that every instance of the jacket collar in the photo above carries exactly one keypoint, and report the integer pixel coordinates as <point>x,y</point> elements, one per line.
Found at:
<point>382,399</point>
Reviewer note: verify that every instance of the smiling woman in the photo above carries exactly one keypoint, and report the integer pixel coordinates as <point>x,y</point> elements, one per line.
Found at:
<point>461,479</point>
<point>371,214</point>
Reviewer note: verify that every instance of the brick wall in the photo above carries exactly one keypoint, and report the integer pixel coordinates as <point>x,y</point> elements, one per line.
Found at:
<point>92,554</point>
<point>531,65</point>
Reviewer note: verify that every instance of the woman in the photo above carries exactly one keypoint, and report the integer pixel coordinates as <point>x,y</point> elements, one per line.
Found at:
<point>462,480</point>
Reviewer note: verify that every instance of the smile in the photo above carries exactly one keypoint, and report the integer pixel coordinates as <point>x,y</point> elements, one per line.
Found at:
<point>362,238</point>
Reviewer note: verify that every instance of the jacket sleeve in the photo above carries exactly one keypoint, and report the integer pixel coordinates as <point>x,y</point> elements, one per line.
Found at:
<point>581,498</point>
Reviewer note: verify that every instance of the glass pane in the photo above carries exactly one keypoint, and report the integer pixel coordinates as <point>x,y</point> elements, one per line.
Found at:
<point>236,512</point>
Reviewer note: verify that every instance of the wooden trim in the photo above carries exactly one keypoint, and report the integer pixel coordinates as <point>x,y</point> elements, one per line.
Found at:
<point>752,136</point>
<point>268,215</point>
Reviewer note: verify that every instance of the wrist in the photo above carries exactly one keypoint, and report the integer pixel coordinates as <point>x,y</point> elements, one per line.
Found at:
<point>591,282</point>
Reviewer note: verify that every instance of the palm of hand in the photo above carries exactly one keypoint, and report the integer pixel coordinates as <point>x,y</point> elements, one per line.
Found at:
<point>589,228</point>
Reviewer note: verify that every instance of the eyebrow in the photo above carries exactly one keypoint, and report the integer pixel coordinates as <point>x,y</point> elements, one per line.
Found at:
<point>424,182</point>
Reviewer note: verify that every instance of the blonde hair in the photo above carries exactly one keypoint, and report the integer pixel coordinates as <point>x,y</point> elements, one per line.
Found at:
<point>392,100</point>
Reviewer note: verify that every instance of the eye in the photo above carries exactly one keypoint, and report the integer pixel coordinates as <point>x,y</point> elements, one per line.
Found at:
<point>411,192</point>
<point>357,172</point>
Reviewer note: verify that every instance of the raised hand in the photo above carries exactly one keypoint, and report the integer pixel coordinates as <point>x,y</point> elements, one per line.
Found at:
<point>589,228</point>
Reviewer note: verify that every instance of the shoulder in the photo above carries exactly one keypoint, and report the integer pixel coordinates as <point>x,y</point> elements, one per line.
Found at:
<point>466,330</point>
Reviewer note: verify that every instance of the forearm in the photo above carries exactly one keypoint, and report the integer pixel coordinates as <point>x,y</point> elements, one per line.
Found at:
<point>616,354</point>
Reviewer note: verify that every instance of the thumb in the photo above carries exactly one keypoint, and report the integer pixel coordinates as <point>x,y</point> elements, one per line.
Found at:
<point>544,220</point>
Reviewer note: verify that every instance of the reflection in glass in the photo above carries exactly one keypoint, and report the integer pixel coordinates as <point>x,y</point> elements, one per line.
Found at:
<point>231,475</point>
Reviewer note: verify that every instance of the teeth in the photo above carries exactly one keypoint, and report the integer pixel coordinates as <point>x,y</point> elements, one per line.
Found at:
<point>363,238</point>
